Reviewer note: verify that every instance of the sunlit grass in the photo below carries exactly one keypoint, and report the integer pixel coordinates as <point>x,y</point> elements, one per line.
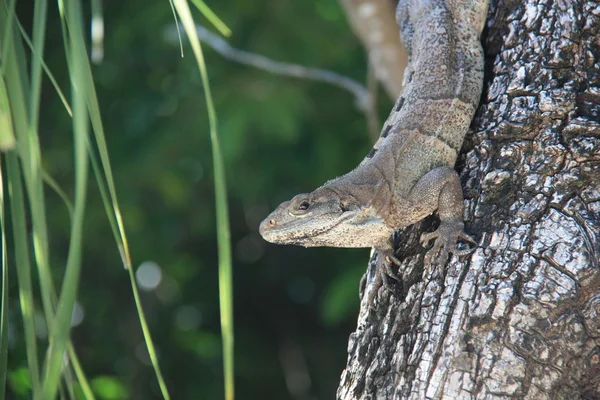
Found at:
<point>4,305</point>
<point>61,327</point>
<point>22,70</point>
<point>223,233</point>
<point>15,192</point>
<point>19,113</point>
<point>7,136</point>
<point>19,120</point>
<point>212,18</point>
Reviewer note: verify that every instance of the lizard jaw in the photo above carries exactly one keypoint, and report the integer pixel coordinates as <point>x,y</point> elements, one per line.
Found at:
<point>295,232</point>
<point>352,229</point>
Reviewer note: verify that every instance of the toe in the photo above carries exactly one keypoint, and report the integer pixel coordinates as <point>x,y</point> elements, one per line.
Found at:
<point>437,246</point>
<point>390,272</point>
<point>466,237</point>
<point>463,252</point>
<point>428,237</point>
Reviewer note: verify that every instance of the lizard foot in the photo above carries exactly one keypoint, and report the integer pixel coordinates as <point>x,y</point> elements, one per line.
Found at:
<point>446,239</point>
<point>383,271</point>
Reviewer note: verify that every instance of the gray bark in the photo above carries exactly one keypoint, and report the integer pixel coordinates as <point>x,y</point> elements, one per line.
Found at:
<point>519,317</point>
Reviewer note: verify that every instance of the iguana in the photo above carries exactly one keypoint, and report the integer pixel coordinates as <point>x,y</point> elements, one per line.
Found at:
<point>409,172</point>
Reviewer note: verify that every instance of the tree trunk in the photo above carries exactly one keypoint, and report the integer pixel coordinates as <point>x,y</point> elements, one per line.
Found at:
<point>520,316</point>
<point>374,23</point>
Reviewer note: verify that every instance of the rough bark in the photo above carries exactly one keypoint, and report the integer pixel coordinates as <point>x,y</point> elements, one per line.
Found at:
<point>520,316</point>
<point>374,23</point>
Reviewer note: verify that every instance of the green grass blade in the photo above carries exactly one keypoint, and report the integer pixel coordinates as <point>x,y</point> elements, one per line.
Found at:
<point>25,112</point>
<point>67,385</point>
<point>24,100</point>
<point>110,200</point>
<point>98,129</point>
<point>4,307</point>
<point>7,13</point>
<point>39,30</point>
<point>223,234</point>
<point>57,189</point>
<point>31,159</point>
<point>142,317</point>
<point>94,110</point>
<point>148,337</point>
<point>20,238</point>
<point>144,325</point>
<point>7,55</point>
<point>13,68</point>
<point>106,184</point>
<point>15,77</point>
<point>61,326</point>
<point>79,373</point>
<point>212,18</point>
<point>177,27</point>
<point>85,386</point>
<point>49,73</point>
<point>105,196</point>
<point>48,282</point>
<point>7,134</point>
<point>31,162</point>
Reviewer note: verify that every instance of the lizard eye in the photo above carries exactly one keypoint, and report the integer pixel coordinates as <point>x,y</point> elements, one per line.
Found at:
<point>343,207</point>
<point>303,206</point>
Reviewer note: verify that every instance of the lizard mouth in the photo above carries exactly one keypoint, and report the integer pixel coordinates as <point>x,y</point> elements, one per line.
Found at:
<point>321,231</point>
<point>296,233</point>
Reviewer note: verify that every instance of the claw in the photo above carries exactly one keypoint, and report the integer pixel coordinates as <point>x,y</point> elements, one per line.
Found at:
<point>463,252</point>
<point>428,237</point>
<point>393,259</point>
<point>466,237</point>
<point>387,264</point>
<point>384,269</point>
<point>374,291</point>
<point>362,285</point>
<point>446,238</point>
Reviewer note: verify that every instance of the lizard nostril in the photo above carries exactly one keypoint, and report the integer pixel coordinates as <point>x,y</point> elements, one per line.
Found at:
<point>272,222</point>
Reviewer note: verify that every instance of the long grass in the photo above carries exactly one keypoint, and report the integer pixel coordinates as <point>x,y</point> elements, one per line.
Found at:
<point>4,288</point>
<point>61,327</point>
<point>22,70</point>
<point>223,232</point>
<point>19,118</point>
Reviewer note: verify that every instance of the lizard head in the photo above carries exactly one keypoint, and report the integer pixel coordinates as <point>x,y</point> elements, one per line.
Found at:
<point>322,218</point>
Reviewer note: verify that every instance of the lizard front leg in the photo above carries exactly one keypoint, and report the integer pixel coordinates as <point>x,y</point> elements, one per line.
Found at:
<point>440,190</point>
<point>383,270</point>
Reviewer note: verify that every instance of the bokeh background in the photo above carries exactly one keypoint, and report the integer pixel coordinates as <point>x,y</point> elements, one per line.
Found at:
<point>294,307</point>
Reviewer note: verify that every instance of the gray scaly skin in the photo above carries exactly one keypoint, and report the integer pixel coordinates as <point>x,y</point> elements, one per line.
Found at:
<point>409,172</point>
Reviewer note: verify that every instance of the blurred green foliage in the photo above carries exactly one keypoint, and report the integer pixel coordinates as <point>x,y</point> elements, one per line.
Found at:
<point>109,388</point>
<point>294,307</point>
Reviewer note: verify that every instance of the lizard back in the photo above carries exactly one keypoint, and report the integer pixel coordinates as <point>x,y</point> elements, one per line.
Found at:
<point>443,83</point>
